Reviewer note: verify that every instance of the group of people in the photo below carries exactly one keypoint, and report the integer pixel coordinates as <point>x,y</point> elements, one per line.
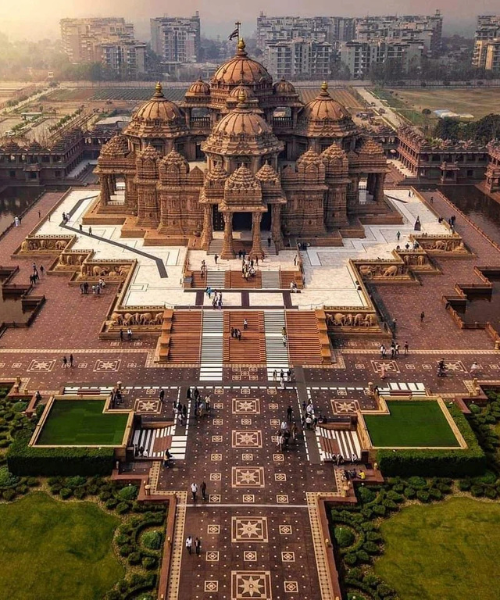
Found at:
<point>287,432</point>
<point>310,418</point>
<point>65,217</point>
<point>247,268</point>
<point>129,335</point>
<point>217,300</point>
<point>202,406</point>
<point>68,362</point>
<point>197,545</point>
<point>284,377</point>
<point>395,350</point>
<point>34,277</point>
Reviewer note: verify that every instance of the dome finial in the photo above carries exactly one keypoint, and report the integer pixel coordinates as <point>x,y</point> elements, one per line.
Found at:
<point>158,90</point>
<point>324,87</point>
<point>241,46</point>
<point>242,97</point>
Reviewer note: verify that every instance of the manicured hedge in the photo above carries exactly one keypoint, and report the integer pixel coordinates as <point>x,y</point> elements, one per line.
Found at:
<point>23,459</point>
<point>437,463</point>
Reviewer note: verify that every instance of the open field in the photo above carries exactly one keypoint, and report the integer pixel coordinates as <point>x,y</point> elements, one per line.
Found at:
<point>82,423</point>
<point>478,101</point>
<point>411,424</point>
<point>447,550</point>
<point>54,550</point>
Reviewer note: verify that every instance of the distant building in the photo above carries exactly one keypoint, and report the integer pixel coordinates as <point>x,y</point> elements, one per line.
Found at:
<point>486,53</point>
<point>298,58</point>
<point>176,40</point>
<point>361,56</point>
<point>109,41</point>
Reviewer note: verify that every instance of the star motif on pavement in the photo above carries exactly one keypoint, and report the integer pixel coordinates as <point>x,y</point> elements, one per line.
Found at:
<point>253,586</point>
<point>148,406</point>
<point>42,365</point>
<point>247,438</point>
<point>248,476</point>
<point>107,365</point>
<point>248,528</point>
<point>246,405</point>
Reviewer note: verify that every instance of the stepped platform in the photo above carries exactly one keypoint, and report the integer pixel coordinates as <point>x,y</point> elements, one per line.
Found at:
<point>304,344</point>
<point>251,349</point>
<point>185,337</point>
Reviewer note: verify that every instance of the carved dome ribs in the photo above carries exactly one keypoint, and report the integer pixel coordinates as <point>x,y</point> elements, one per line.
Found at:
<point>242,70</point>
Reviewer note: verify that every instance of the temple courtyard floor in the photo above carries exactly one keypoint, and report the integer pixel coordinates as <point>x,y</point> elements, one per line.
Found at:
<point>259,524</point>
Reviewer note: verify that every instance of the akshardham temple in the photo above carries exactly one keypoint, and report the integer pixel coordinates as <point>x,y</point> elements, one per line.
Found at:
<point>239,153</point>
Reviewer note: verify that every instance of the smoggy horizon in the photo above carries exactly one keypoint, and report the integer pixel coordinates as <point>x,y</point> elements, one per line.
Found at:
<point>23,19</point>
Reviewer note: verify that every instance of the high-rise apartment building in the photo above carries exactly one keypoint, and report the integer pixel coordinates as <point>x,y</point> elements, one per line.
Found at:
<point>176,39</point>
<point>109,41</point>
<point>487,42</point>
<point>297,58</point>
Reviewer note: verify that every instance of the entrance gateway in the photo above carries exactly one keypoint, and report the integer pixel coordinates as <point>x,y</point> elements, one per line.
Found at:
<point>242,221</point>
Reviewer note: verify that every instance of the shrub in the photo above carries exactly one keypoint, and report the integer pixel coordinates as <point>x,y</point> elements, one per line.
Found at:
<point>153,539</point>
<point>490,493</point>
<point>32,481</point>
<point>487,478</point>
<point>477,491</point>
<point>374,536</point>
<point>65,493</point>
<point>445,488</point>
<point>111,504</point>
<point>417,482</point>
<point>435,494</point>
<point>365,494</point>
<point>103,496</point>
<point>394,496</point>
<point>343,536</point>
<point>122,508</point>
<point>20,406</point>
<point>363,556</point>
<point>464,485</point>
<point>371,579</point>
<point>9,495</point>
<point>423,495</point>
<point>80,493</point>
<point>371,548</point>
<point>134,558</point>
<point>389,504</point>
<point>379,510</point>
<point>126,549</point>
<point>113,595</point>
<point>367,513</point>
<point>6,478</point>
<point>350,559</point>
<point>384,590</point>
<point>149,562</point>
<point>355,573</point>
<point>32,460</point>
<point>76,481</point>
<point>409,493</point>
<point>128,493</point>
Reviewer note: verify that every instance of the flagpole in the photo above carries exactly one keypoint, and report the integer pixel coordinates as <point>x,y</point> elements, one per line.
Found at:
<point>238,25</point>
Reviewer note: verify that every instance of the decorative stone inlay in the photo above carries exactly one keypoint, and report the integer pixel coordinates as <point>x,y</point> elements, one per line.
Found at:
<point>215,476</point>
<point>41,366</point>
<point>248,498</point>
<point>251,584</point>
<point>217,438</point>
<point>291,586</point>
<point>247,439</point>
<point>218,405</point>
<point>211,586</point>
<point>249,529</point>
<point>279,457</point>
<point>216,457</point>
<point>250,555</point>
<point>247,457</point>
<point>288,556</point>
<point>245,390</point>
<point>147,406</point>
<point>273,406</point>
<point>212,556</point>
<point>214,498</point>
<point>325,583</point>
<point>271,391</point>
<point>248,477</point>
<point>280,477</point>
<point>246,421</point>
<point>218,421</point>
<point>219,391</point>
<point>347,407</point>
<point>246,406</point>
<point>390,366</point>
<point>274,422</point>
<point>282,499</point>
<point>213,529</point>
<point>285,529</point>
<point>107,365</point>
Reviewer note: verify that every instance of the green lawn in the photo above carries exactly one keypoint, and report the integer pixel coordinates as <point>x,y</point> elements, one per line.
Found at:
<point>81,423</point>
<point>50,550</point>
<point>443,551</point>
<point>418,423</point>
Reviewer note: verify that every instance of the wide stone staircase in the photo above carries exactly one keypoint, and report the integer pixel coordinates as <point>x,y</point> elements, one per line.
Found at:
<point>216,279</point>
<point>251,349</point>
<point>276,352</point>
<point>304,343</point>
<point>212,346</point>
<point>185,337</point>
<point>271,280</point>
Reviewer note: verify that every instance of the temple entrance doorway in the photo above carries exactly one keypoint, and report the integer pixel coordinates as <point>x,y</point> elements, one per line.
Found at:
<point>217,219</point>
<point>265,224</point>
<point>242,221</point>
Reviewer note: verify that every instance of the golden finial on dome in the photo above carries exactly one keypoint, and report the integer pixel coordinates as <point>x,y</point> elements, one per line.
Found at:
<point>158,90</point>
<point>324,86</point>
<point>242,97</point>
<point>241,45</point>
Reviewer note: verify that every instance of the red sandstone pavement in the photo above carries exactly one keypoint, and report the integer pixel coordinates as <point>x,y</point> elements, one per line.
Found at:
<point>70,322</point>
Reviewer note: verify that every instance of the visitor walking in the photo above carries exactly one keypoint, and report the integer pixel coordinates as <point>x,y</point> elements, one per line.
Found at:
<point>189,544</point>
<point>203,488</point>
<point>216,258</point>
<point>407,348</point>
<point>197,546</point>
<point>422,316</point>
<point>71,360</point>
<point>194,490</point>
<point>64,362</point>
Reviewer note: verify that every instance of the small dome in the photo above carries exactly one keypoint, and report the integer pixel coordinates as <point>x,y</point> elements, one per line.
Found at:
<point>149,153</point>
<point>198,88</point>
<point>266,174</point>
<point>117,146</point>
<point>157,118</point>
<point>242,89</point>
<point>333,152</point>
<point>284,88</point>
<point>242,179</point>
<point>324,107</point>
<point>217,174</point>
<point>241,69</point>
<point>174,158</point>
<point>371,147</point>
<point>309,158</point>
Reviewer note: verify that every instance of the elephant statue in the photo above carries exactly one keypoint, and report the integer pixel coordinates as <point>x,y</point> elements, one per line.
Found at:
<point>338,319</point>
<point>459,247</point>
<point>146,318</point>
<point>370,320</point>
<point>359,319</point>
<point>440,245</point>
<point>128,319</point>
<point>366,271</point>
<point>391,271</point>
<point>61,244</point>
<point>25,246</point>
<point>123,270</point>
<point>117,318</point>
<point>421,260</point>
<point>349,319</point>
<point>158,319</point>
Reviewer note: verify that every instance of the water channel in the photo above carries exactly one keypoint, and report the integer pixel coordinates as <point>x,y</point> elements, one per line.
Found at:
<point>14,201</point>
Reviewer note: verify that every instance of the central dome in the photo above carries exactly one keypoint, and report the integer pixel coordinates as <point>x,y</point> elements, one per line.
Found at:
<point>242,70</point>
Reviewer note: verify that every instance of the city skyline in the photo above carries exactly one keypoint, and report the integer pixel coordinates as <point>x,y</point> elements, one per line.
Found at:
<point>26,22</point>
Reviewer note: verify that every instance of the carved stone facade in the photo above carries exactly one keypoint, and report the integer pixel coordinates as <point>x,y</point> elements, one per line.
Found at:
<point>223,160</point>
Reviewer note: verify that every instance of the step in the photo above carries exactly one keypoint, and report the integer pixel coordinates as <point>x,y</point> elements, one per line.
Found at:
<point>271,280</point>
<point>216,279</point>
<point>215,246</point>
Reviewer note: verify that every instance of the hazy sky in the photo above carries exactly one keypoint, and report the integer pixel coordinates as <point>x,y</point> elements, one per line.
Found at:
<point>39,18</point>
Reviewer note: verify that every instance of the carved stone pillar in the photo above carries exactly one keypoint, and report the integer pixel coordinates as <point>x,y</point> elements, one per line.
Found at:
<point>256,251</point>
<point>276,226</point>
<point>104,190</point>
<point>379,187</point>
<point>207,233</point>
<point>227,247</point>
